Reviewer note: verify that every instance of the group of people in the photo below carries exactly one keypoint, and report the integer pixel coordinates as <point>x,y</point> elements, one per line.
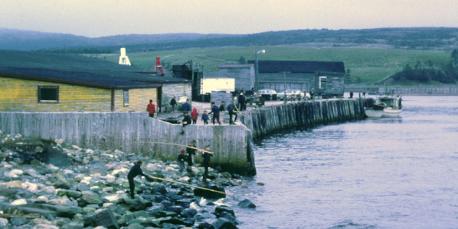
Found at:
<point>182,159</point>
<point>187,158</point>
<point>191,114</point>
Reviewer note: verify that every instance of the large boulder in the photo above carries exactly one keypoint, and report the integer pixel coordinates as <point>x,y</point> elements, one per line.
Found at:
<point>246,203</point>
<point>103,217</point>
<point>223,210</point>
<point>223,223</point>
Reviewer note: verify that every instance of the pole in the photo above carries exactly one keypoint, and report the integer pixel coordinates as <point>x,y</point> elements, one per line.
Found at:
<point>256,70</point>
<point>284,87</point>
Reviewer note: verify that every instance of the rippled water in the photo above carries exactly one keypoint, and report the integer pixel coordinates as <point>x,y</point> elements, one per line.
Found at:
<point>384,173</point>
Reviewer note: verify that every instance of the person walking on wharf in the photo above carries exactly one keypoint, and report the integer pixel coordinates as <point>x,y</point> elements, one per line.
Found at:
<point>232,112</point>
<point>242,102</point>
<point>151,108</point>
<point>215,112</point>
<point>186,107</point>
<point>194,115</point>
<point>173,103</point>
<point>136,170</point>
<point>205,118</point>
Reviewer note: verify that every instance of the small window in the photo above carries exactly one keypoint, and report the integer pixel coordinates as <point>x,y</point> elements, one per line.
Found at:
<point>125,97</point>
<point>48,94</point>
<point>322,80</point>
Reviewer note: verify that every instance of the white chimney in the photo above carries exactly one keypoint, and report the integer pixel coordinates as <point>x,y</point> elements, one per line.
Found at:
<point>123,58</point>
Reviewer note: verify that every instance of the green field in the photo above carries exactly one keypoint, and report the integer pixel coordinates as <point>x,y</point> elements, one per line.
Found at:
<point>367,65</point>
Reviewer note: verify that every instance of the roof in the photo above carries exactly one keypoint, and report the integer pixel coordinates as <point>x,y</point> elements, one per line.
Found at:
<point>77,70</point>
<point>235,66</point>
<point>276,66</point>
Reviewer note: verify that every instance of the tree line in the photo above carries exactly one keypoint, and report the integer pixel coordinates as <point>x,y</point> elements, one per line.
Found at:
<point>428,71</point>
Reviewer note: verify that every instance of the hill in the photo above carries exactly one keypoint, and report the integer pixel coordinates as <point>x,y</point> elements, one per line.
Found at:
<point>365,65</point>
<point>408,38</point>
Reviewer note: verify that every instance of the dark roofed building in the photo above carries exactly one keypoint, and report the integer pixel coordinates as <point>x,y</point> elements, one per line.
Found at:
<point>321,77</point>
<point>36,81</point>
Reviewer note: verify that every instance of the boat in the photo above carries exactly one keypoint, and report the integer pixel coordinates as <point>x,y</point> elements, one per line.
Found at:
<point>383,106</point>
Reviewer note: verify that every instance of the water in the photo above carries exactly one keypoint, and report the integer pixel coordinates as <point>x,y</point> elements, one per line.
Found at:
<point>385,173</point>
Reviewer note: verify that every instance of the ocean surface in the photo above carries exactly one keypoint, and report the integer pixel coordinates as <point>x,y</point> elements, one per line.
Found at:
<point>376,173</point>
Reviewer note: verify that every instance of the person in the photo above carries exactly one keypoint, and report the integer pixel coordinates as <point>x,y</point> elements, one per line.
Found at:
<point>136,170</point>
<point>206,163</point>
<point>351,94</point>
<point>190,150</point>
<point>181,160</point>
<point>215,112</point>
<point>186,107</point>
<point>242,102</point>
<point>222,106</point>
<point>232,112</point>
<point>194,115</point>
<point>151,108</point>
<point>186,119</point>
<point>173,103</point>
<point>205,117</point>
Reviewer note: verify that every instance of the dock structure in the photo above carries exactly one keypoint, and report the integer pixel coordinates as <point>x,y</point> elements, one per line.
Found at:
<point>136,132</point>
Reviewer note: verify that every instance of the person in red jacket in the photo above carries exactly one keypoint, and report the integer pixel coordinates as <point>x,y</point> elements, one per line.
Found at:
<point>151,108</point>
<point>194,115</point>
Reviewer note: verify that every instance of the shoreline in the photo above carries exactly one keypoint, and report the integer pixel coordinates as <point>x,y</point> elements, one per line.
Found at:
<point>89,189</point>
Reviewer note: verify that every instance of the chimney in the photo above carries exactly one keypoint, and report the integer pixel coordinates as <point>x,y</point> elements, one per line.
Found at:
<point>159,69</point>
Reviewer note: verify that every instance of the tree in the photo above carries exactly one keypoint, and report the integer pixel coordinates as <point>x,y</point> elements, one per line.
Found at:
<point>242,60</point>
<point>455,57</point>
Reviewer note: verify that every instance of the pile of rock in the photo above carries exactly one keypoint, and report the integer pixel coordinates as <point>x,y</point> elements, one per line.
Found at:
<point>44,184</point>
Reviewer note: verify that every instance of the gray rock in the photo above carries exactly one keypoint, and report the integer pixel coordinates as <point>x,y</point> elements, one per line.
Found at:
<point>223,209</point>
<point>135,226</point>
<point>61,182</point>
<point>3,223</point>
<point>69,193</point>
<point>73,225</point>
<point>246,203</point>
<point>18,221</point>
<point>175,208</point>
<point>189,212</point>
<point>106,218</point>
<point>91,197</point>
<point>205,225</point>
<point>223,223</point>
<point>156,210</point>
<point>136,204</point>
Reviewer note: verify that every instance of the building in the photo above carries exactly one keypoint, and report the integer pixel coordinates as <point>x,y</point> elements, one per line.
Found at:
<point>33,81</point>
<point>193,73</point>
<point>243,74</point>
<point>321,77</point>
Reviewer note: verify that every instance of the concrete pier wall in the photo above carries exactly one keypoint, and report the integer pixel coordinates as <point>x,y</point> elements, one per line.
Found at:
<point>135,132</point>
<point>306,114</point>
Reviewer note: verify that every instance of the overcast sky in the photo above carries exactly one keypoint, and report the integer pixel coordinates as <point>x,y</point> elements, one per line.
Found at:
<point>108,17</point>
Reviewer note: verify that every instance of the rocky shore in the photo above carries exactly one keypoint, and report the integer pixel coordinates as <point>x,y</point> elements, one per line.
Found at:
<point>47,184</point>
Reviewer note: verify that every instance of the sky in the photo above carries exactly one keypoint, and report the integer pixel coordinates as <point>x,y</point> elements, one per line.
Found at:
<point>109,17</point>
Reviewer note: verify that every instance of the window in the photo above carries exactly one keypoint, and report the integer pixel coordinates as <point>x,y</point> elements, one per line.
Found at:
<point>322,80</point>
<point>48,94</point>
<point>125,97</point>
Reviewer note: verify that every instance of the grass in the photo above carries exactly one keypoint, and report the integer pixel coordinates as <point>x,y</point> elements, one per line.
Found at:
<point>367,65</point>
